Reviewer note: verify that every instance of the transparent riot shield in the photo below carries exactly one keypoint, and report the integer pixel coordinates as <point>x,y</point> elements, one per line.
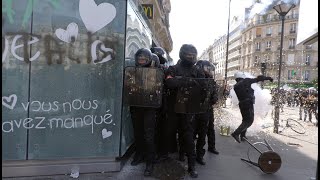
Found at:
<point>143,86</point>
<point>195,98</point>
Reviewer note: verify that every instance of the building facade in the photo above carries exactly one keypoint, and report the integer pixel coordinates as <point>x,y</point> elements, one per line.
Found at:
<point>215,53</point>
<point>234,49</point>
<point>63,65</point>
<point>254,46</point>
<point>261,48</point>
<point>159,24</point>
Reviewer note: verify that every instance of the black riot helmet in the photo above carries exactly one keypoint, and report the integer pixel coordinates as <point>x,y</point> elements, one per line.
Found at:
<point>161,53</point>
<point>143,57</point>
<point>206,66</point>
<point>188,54</point>
<point>155,60</point>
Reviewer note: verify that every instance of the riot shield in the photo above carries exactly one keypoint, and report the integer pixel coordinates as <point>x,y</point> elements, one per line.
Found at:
<point>143,86</point>
<point>195,99</point>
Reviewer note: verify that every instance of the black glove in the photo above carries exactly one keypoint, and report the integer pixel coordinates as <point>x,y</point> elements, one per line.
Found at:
<point>192,82</point>
<point>261,78</point>
<point>185,82</point>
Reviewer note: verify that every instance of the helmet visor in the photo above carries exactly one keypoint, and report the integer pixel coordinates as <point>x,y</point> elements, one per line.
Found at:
<point>142,59</point>
<point>209,70</point>
<point>190,56</point>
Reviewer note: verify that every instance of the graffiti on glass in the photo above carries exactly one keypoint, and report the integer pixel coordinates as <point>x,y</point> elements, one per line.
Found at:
<point>66,122</point>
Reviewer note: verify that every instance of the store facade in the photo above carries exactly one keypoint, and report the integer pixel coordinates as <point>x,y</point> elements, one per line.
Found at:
<point>62,81</point>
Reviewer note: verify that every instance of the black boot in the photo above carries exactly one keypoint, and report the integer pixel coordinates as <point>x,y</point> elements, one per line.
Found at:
<point>200,160</point>
<point>236,137</point>
<point>193,173</point>
<point>148,170</point>
<point>162,157</point>
<point>213,150</point>
<point>137,159</point>
<point>182,157</point>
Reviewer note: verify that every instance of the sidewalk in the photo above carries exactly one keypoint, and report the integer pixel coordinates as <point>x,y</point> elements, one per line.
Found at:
<point>298,159</point>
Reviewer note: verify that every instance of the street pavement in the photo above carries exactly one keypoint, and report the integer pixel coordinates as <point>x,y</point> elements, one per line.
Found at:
<point>298,153</point>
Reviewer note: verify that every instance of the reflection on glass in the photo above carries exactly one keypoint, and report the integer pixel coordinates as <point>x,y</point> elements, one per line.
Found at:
<point>138,36</point>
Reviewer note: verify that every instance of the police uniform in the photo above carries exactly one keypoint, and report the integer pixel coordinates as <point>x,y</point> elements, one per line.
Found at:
<point>144,121</point>
<point>246,99</point>
<point>179,76</point>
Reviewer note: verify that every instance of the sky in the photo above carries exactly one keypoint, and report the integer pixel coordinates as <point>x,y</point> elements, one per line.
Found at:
<point>200,22</point>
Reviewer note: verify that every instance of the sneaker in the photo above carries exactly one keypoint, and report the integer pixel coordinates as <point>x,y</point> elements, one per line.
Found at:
<point>236,137</point>
<point>213,150</point>
<point>193,173</point>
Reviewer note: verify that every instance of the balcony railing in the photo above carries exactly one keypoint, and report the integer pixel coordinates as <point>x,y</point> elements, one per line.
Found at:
<point>234,54</point>
<point>292,16</point>
<point>308,46</point>
<point>268,34</point>
<point>231,73</point>
<point>274,18</point>
<point>259,22</point>
<point>234,44</point>
<point>291,47</point>
<point>234,63</point>
<point>292,31</point>
<point>268,49</point>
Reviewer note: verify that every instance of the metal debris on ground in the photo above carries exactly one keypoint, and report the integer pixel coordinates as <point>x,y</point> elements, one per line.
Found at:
<point>294,144</point>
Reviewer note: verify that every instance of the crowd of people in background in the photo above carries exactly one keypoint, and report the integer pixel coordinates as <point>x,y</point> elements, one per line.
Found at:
<point>304,98</point>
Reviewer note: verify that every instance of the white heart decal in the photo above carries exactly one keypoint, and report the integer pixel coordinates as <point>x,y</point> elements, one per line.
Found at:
<point>11,99</point>
<point>102,48</point>
<point>66,35</point>
<point>96,17</point>
<point>105,133</point>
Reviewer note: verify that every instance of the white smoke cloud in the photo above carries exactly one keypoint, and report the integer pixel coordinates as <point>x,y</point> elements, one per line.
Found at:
<point>262,6</point>
<point>262,99</point>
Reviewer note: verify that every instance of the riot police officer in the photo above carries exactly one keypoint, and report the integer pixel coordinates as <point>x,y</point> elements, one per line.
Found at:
<point>178,77</point>
<point>201,123</point>
<point>144,121</point>
<point>162,120</point>
<point>155,61</point>
<point>161,53</point>
<point>246,99</point>
<point>208,69</point>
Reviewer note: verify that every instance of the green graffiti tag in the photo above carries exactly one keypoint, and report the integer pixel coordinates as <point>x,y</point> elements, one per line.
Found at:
<point>7,8</point>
